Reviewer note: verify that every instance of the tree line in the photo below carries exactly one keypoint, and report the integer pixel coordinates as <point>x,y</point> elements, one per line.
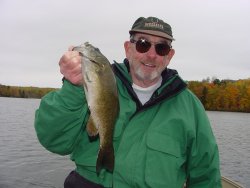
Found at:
<point>215,94</point>
<point>23,92</point>
<point>223,95</point>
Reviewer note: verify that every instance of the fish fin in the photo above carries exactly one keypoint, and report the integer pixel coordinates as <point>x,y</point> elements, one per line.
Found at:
<point>91,128</point>
<point>105,159</point>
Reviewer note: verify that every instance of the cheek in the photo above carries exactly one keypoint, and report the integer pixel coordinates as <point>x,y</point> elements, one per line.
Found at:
<point>134,56</point>
<point>165,61</point>
<point>131,52</point>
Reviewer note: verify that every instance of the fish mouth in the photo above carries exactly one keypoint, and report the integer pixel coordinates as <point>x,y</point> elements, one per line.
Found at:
<point>92,61</point>
<point>95,62</point>
<point>86,57</point>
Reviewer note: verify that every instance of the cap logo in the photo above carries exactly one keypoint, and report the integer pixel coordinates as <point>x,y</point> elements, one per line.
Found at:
<point>154,25</point>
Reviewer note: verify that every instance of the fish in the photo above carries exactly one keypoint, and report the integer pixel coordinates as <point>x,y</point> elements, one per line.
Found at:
<point>101,93</point>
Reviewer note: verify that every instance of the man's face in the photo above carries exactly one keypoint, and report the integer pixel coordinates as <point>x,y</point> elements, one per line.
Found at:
<point>146,68</point>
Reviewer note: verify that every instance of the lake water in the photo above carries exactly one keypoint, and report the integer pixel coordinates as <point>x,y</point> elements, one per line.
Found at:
<point>24,163</point>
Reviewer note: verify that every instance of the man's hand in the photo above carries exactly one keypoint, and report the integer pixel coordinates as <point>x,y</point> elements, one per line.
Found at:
<point>70,66</point>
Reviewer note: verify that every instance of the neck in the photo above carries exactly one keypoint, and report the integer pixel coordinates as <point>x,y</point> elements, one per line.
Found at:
<point>144,94</point>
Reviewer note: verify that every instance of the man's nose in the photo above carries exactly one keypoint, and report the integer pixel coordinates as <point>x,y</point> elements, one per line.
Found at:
<point>151,52</point>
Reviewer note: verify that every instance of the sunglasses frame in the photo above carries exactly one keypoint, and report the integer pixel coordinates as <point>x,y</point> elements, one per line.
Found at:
<point>149,44</point>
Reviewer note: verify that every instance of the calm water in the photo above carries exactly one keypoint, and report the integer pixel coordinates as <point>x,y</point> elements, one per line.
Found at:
<point>24,163</point>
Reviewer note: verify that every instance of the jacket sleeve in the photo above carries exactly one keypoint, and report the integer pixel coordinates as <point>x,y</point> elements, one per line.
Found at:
<point>60,118</point>
<point>203,158</point>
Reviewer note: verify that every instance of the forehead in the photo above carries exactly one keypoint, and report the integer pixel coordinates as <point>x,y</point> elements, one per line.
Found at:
<point>151,38</point>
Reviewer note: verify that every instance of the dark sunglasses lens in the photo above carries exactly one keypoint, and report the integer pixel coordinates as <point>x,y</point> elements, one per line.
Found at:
<point>142,46</point>
<point>162,49</point>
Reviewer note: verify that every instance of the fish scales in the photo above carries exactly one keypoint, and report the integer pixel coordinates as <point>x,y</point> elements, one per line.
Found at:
<point>102,97</point>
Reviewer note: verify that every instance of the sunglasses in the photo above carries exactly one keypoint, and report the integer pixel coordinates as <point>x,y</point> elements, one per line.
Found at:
<point>142,46</point>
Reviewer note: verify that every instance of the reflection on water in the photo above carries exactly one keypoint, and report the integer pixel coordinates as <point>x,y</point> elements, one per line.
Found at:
<point>232,134</point>
<point>24,163</point>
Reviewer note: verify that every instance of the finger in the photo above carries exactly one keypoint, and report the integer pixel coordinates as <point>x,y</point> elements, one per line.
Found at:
<point>76,68</point>
<point>71,67</point>
<point>78,79</point>
<point>74,77</point>
<point>69,56</point>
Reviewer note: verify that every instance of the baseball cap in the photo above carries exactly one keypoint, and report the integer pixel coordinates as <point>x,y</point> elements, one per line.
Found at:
<point>152,26</point>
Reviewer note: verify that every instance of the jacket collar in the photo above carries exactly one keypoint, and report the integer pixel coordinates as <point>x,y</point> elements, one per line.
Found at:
<point>171,84</point>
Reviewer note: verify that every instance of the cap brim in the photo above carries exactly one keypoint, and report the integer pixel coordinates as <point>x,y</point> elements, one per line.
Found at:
<point>151,32</point>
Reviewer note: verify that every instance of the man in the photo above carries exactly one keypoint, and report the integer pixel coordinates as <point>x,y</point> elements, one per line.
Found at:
<point>162,137</point>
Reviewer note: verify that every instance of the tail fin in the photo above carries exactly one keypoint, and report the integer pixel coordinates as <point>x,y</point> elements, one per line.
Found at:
<point>105,159</point>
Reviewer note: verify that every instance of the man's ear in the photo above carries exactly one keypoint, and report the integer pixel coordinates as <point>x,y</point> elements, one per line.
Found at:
<point>171,54</point>
<point>127,49</point>
<point>168,57</point>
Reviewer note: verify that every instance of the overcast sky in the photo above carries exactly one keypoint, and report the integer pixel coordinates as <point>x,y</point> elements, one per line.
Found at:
<point>212,36</point>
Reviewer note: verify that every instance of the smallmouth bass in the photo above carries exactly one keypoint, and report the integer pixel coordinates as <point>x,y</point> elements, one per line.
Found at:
<point>102,97</point>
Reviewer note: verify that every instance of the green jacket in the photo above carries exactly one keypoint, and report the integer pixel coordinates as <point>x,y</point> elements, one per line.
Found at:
<point>163,143</point>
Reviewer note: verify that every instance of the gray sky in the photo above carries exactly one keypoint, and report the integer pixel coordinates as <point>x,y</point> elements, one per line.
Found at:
<point>212,36</point>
